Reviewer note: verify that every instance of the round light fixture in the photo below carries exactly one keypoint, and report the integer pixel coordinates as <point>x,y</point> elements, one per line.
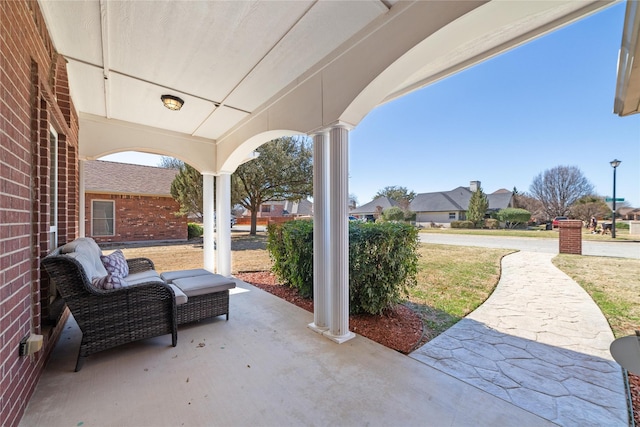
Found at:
<point>172,102</point>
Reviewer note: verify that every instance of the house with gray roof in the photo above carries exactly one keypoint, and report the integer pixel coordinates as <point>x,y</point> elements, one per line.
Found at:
<point>129,203</point>
<point>443,207</point>
<point>282,208</point>
<point>370,211</point>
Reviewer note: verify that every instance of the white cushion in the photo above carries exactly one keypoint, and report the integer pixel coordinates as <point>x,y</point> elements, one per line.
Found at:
<point>170,276</point>
<point>86,261</point>
<point>91,249</point>
<point>181,298</point>
<point>143,277</point>
<point>205,284</point>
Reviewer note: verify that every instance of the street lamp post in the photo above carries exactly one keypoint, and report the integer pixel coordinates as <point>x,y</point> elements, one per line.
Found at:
<point>614,164</point>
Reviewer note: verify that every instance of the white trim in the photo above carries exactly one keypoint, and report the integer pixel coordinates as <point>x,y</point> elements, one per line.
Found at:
<point>53,186</point>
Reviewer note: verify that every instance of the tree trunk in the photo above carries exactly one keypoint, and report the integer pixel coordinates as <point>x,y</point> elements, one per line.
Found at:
<point>254,221</point>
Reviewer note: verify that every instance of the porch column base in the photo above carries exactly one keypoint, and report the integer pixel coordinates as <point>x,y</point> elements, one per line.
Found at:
<point>339,338</point>
<point>317,329</point>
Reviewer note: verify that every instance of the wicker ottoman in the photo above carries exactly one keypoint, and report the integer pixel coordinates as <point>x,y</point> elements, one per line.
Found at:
<point>207,296</point>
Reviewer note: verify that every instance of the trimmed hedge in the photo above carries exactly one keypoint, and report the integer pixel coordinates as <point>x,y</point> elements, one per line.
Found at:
<point>462,224</point>
<point>290,246</point>
<point>383,261</point>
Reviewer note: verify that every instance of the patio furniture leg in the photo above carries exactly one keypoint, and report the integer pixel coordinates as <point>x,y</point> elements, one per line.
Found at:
<point>80,362</point>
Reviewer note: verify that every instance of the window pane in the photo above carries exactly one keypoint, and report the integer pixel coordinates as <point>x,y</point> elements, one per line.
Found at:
<point>102,220</point>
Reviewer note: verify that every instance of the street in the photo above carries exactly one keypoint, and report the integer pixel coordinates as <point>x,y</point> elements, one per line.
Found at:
<point>620,249</point>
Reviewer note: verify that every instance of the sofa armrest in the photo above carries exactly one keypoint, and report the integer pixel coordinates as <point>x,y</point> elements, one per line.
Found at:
<point>136,265</point>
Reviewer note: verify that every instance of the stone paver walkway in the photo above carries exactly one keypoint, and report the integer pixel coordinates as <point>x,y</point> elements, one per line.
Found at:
<point>539,342</point>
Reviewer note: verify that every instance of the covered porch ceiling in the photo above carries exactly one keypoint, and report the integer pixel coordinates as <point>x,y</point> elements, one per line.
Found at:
<point>249,70</point>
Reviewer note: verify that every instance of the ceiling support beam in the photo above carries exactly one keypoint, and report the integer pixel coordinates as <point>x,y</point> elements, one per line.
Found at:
<point>104,27</point>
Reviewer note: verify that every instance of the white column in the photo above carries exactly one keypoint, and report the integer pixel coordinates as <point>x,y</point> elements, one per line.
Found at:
<point>339,235</point>
<point>321,258</point>
<point>81,208</point>
<point>208,222</point>
<point>223,219</point>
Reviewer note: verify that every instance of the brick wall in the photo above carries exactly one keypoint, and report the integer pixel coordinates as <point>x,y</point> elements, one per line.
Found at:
<point>570,237</point>
<point>140,218</point>
<point>35,96</point>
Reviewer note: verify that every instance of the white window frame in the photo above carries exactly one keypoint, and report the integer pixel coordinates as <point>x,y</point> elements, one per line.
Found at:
<point>53,187</point>
<point>452,215</point>
<point>113,207</point>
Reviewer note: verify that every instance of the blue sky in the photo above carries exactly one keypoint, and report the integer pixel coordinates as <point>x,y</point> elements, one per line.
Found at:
<point>502,122</point>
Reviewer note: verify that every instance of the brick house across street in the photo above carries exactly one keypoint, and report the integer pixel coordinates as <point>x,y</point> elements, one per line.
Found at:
<point>130,203</point>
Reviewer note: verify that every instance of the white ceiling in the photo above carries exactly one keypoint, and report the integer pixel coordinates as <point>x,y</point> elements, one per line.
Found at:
<point>231,60</point>
<point>122,55</point>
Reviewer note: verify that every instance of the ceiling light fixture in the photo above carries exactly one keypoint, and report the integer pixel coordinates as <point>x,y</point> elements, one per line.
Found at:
<point>172,102</point>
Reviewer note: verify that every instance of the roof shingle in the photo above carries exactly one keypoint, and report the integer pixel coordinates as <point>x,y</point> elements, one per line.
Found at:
<point>123,178</point>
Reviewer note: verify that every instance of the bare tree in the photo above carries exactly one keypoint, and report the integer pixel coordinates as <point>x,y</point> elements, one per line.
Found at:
<point>170,163</point>
<point>559,188</point>
<point>400,195</point>
<point>589,206</point>
<point>533,205</point>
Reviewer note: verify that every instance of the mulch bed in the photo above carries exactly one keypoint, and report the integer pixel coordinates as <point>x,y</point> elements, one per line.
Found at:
<point>634,385</point>
<point>399,329</point>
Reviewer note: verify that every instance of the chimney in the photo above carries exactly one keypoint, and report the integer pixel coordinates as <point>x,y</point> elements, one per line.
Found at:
<point>474,185</point>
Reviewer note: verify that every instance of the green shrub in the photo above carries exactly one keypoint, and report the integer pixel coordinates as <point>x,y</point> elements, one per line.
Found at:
<point>622,225</point>
<point>491,223</point>
<point>410,216</point>
<point>393,213</point>
<point>194,230</point>
<point>513,217</point>
<point>290,246</point>
<point>462,224</point>
<point>382,261</point>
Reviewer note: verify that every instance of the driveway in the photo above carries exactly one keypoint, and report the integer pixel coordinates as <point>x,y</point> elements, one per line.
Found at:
<point>619,249</point>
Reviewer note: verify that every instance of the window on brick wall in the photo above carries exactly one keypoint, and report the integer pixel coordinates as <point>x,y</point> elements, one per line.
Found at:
<point>265,208</point>
<point>102,218</point>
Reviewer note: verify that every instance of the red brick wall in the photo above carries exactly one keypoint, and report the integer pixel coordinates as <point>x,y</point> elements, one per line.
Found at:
<point>35,95</point>
<point>275,210</point>
<point>570,237</point>
<point>140,218</point>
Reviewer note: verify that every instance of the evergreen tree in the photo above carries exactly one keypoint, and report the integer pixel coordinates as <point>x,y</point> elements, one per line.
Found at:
<point>478,206</point>
<point>186,189</point>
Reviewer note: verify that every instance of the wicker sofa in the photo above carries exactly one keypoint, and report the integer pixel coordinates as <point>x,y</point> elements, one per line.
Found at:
<point>147,306</point>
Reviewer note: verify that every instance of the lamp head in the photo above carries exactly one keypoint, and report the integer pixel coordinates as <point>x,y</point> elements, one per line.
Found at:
<point>172,102</point>
<point>615,163</point>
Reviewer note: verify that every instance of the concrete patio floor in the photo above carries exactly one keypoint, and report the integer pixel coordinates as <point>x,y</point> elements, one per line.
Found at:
<point>263,367</point>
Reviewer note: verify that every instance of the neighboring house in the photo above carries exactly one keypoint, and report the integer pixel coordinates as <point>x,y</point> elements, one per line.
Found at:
<point>631,214</point>
<point>443,207</point>
<point>278,208</point>
<point>372,210</point>
<point>127,203</point>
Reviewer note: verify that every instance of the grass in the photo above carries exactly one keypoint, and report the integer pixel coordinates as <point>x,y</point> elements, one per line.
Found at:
<point>613,283</point>
<point>452,280</point>
<point>621,234</point>
<point>248,254</point>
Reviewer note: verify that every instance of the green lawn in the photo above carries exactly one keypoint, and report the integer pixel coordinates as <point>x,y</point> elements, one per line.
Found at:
<point>455,280</point>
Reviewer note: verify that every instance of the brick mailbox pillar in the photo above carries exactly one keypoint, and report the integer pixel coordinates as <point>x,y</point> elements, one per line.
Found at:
<point>570,237</point>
